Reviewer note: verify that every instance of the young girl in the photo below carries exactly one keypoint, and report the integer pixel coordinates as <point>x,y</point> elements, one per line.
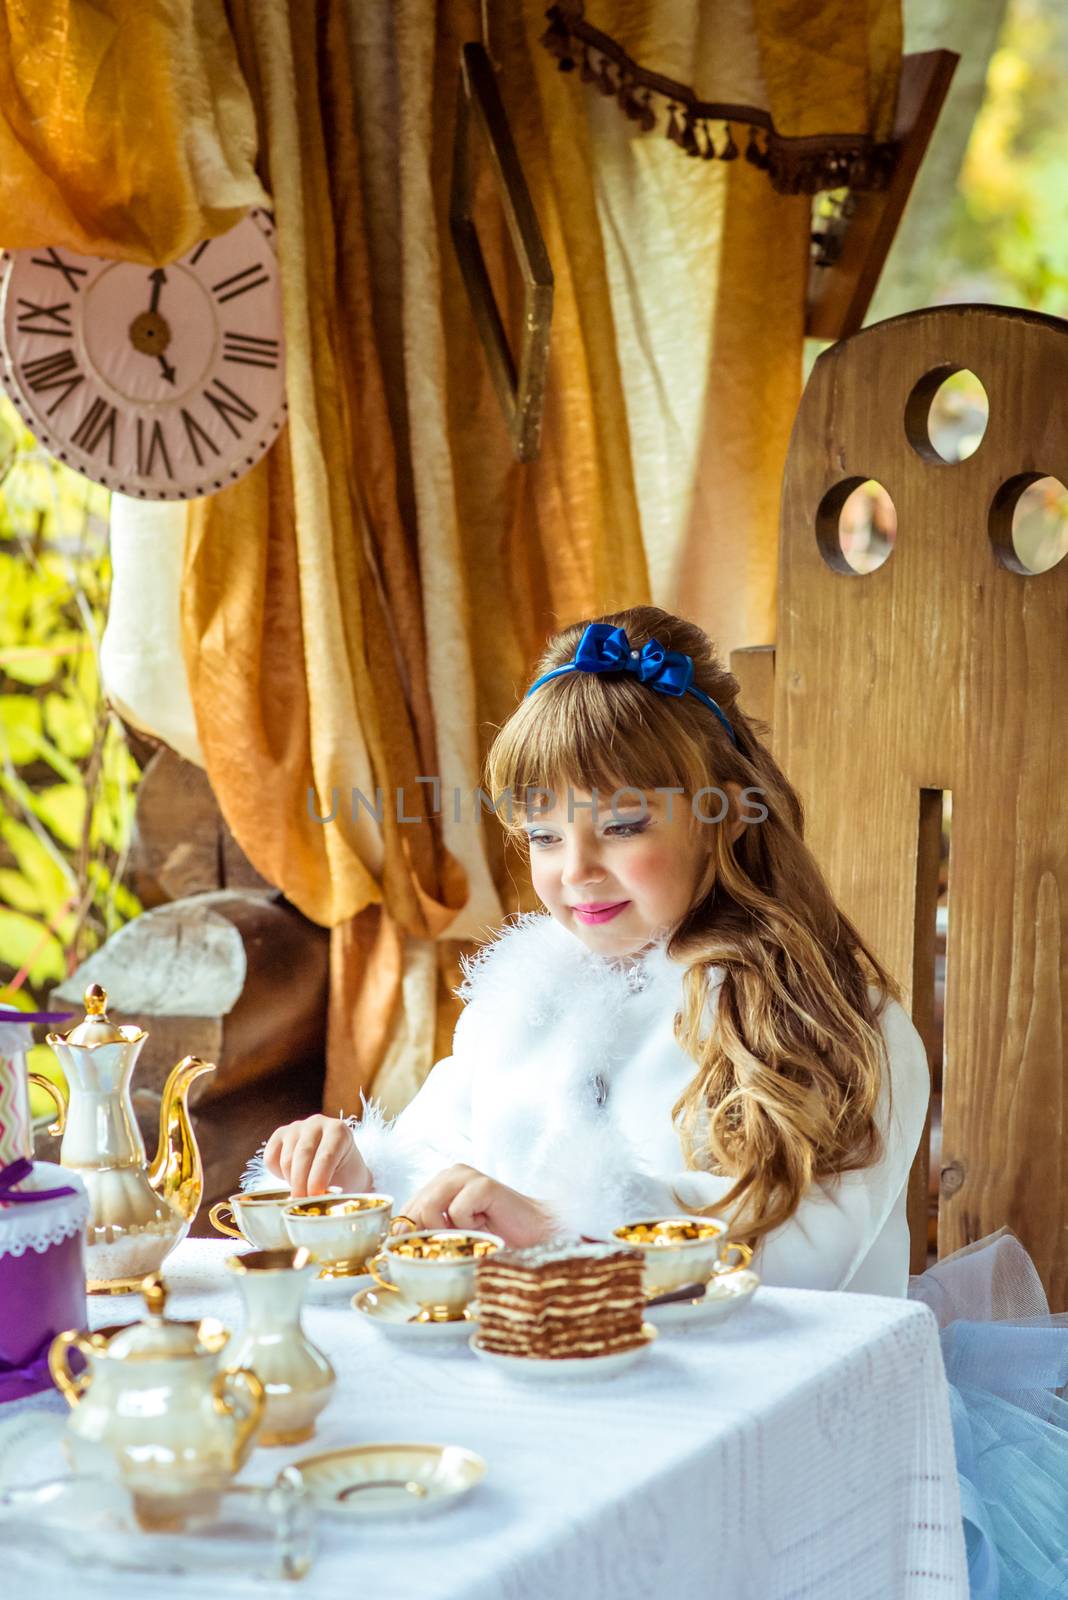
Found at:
<point>691,1025</point>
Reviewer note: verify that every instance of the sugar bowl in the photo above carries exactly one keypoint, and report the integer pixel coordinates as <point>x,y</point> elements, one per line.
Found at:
<point>680,1250</point>
<point>154,1402</point>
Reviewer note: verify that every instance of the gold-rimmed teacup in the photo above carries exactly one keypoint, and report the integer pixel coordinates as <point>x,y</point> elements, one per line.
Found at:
<point>255,1216</point>
<point>682,1249</point>
<point>434,1268</point>
<point>341,1230</point>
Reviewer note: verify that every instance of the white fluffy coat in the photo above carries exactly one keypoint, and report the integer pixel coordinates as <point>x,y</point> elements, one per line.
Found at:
<point>561,1084</point>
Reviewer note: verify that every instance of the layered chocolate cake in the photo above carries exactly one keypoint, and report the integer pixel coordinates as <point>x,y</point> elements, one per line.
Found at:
<point>558,1300</point>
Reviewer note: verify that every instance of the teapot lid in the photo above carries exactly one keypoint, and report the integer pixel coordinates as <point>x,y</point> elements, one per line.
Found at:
<point>158,1338</point>
<point>96,1027</point>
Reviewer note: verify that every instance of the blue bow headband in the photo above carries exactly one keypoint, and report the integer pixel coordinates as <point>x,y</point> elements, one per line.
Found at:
<point>603,648</point>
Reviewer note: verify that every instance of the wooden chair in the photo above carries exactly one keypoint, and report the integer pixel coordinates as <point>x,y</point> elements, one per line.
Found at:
<point>940,671</point>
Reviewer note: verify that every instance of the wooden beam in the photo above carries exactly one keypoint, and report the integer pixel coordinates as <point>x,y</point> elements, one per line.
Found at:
<point>754,668</point>
<point>839,294</point>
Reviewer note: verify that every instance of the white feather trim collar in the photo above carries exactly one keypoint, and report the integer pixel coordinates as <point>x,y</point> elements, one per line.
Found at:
<point>534,973</point>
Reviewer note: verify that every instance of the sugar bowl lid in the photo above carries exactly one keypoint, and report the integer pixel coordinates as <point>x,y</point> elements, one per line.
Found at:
<point>157,1337</point>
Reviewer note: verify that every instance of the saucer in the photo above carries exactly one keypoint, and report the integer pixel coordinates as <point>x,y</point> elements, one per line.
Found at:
<point>393,1315</point>
<point>542,1369</point>
<point>387,1480</point>
<point>724,1295</point>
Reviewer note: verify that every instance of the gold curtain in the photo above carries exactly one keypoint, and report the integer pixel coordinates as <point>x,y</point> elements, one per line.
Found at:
<point>364,607</point>
<point>126,128</point>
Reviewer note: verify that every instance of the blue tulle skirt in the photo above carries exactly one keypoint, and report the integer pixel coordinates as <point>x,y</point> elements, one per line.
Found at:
<point>1006,1359</point>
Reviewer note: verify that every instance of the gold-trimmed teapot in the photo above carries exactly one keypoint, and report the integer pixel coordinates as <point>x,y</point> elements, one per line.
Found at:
<point>154,1403</point>
<point>138,1211</point>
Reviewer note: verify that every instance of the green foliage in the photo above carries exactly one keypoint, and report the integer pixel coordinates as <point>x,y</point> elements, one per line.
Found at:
<point>67,778</point>
<point>1008,237</point>
<point>1008,240</point>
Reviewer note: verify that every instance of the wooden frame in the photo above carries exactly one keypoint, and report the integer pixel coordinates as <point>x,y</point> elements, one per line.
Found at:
<point>839,294</point>
<point>520,385</point>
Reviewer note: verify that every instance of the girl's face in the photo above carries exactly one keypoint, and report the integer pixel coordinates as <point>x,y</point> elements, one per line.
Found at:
<point>620,877</point>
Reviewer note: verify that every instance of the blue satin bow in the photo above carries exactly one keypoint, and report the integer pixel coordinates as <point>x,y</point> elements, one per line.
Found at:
<point>605,649</point>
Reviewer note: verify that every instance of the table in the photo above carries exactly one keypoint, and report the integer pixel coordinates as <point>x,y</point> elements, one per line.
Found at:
<point>803,1449</point>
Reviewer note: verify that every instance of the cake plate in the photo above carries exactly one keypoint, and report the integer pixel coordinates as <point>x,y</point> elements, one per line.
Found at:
<point>541,1369</point>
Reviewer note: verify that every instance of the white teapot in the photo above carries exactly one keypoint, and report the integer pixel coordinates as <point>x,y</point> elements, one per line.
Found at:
<point>154,1402</point>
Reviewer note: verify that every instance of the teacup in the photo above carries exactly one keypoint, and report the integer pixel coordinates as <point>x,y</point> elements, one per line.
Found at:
<point>255,1216</point>
<point>340,1230</point>
<point>434,1268</point>
<point>682,1250</point>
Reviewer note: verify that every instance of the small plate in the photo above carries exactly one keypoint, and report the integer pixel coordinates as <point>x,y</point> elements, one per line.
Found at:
<point>721,1299</point>
<point>542,1369</point>
<point>393,1316</point>
<point>389,1480</point>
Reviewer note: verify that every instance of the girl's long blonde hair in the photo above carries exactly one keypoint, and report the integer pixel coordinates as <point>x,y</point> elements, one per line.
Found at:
<point>788,1080</point>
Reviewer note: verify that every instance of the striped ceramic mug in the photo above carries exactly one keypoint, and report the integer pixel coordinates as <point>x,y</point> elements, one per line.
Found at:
<point>16,1124</point>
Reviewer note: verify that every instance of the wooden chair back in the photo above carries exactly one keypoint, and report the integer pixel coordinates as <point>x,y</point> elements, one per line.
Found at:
<point>942,670</point>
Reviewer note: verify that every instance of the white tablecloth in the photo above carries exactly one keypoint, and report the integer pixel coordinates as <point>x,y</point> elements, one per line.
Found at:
<point>803,1449</point>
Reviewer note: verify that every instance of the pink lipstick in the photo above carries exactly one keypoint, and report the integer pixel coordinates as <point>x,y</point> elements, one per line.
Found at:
<point>603,912</point>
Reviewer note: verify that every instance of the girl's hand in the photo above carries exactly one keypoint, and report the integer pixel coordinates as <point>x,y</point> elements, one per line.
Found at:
<point>313,1154</point>
<point>462,1197</point>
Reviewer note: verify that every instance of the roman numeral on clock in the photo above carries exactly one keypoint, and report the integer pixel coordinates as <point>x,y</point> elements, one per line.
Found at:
<point>196,436</point>
<point>32,318</point>
<point>55,262</point>
<point>229,405</point>
<point>150,440</point>
<point>240,283</point>
<point>57,371</point>
<point>98,423</point>
<point>247,350</point>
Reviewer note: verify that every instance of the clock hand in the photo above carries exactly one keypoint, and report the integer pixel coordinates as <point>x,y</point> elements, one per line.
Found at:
<point>150,332</point>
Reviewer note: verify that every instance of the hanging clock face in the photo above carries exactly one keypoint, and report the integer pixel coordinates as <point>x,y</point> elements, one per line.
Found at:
<point>163,383</point>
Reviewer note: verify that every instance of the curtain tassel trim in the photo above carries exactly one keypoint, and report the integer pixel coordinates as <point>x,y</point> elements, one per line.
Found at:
<point>706,129</point>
